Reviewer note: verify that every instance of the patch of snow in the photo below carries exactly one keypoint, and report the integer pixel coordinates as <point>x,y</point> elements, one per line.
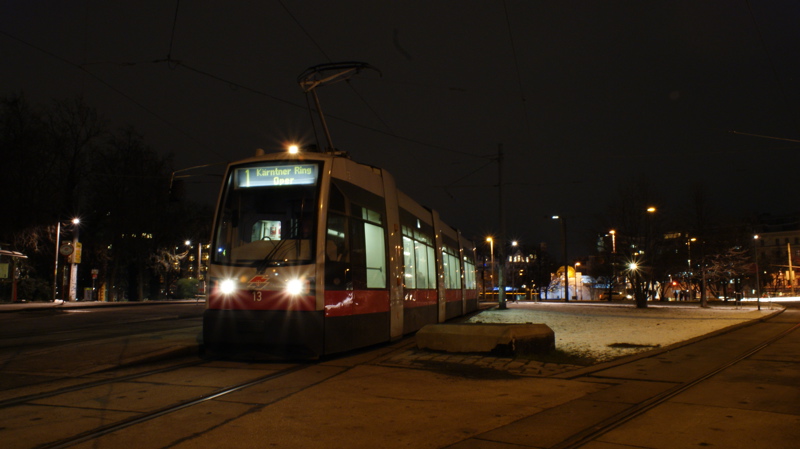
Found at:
<point>605,331</point>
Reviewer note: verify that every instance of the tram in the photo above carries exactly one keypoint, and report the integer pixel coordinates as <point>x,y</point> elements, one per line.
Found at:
<point>314,254</point>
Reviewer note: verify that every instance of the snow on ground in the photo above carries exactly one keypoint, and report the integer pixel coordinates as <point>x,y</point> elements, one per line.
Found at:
<point>590,329</point>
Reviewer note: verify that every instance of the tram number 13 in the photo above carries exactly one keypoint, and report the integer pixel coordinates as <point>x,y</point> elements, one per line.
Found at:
<point>256,295</point>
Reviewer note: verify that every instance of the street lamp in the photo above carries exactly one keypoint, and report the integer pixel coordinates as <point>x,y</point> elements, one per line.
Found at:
<point>513,262</point>
<point>73,269</point>
<point>563,221</point>
<point>491,251</point>
<point>189,247</point>
<point>758,283</point>
<point>613,241</point>
<point>613,261</point>
<point>634,272</point>
<point>578,287</point>
<point>648,257</point>
<point>66,251</point>
<point>55,265</point>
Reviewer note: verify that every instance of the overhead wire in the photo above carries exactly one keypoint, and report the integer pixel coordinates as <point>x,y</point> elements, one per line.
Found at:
<point>174,64</point>
<point>83,69</point>
<point>174,27</point>
<point>325,54</point>
<point>517,70</point>
<point>770,59</point>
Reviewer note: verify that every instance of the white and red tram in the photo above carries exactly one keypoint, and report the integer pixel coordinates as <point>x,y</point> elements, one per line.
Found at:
<point>313,254</point>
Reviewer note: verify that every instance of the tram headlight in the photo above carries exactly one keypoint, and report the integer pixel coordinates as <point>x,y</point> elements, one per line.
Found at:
<point>227,286</point>
<point>295,287</point>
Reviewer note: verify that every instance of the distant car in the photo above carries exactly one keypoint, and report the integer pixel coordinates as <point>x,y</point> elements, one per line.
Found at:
<point>614,296</point>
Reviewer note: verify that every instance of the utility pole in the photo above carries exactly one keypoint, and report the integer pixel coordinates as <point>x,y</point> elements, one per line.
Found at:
<point>501,291</point>
<point>791,270</point>
<point>566,264</point>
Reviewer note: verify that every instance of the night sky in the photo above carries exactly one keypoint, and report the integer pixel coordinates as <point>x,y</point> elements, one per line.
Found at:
<point>586,98</point>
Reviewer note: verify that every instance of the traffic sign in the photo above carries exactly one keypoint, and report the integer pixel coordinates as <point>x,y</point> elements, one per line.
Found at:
<point>66,249</point>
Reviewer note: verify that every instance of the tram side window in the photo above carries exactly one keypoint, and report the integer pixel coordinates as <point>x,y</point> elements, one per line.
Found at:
<point>469,274</point>
<point>452,268</point>
<point>375,245</point>
<point>419,260</point>
<point>337,260</point>
<point>409,264</point>
<point>425,261</point>
<point>368,254</point>
<point>355,250</point>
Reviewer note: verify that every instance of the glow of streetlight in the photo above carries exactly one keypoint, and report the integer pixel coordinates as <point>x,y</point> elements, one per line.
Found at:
<point>294,149</point>
<point>76,221</point>
<point>491,250</point>
<point>613,241</point>
<point>651,209</point>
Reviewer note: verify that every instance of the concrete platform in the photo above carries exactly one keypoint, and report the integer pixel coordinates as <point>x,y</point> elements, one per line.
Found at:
<point>505,339</point>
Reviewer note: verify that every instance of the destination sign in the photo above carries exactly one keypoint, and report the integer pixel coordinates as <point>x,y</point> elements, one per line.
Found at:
<point>276,175</point>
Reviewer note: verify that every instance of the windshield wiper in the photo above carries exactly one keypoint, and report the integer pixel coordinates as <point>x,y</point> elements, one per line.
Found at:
<point>264,263</point>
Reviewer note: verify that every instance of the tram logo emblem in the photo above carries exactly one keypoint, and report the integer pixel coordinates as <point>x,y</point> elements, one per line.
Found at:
<point>258,282</point>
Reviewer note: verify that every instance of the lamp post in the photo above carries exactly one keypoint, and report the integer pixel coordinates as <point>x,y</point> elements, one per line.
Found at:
<point>613,241</point>
<point>633,275</point>
<point>563,221</point>
<point>73,269</point>
<point>648,256</point>
<point>55,264</point>
<point>758,283</point>
<point>613,282</point>
<point>491,251</point>
<point>791,270</point>
<point>578,287</point>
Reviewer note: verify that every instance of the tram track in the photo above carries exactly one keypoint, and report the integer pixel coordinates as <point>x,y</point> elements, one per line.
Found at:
<point>73,388</point>
<point>250,402</point>
<point>338,367</point>
<point>597,430</point>
<point>144,417</point>
<point>79,334</point>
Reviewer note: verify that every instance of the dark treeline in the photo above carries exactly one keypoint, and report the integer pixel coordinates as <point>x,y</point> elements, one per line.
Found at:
<point>61,161</point>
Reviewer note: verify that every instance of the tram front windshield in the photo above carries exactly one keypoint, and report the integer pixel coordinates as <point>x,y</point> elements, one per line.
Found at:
<point>268,215</point>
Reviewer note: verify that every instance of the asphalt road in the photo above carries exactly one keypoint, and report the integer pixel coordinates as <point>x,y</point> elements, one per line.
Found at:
<point>735,389</point>
<point>40,343</point>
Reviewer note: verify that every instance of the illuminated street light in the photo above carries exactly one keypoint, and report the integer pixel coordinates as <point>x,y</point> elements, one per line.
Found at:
<point>75,259</point>
<point>613,241</point>
<point>563,221</point>
<point>689,245</point>
<point>758,283</point>
<point>293,149</point>
<point>491,250</point>
<point>55,265</point>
